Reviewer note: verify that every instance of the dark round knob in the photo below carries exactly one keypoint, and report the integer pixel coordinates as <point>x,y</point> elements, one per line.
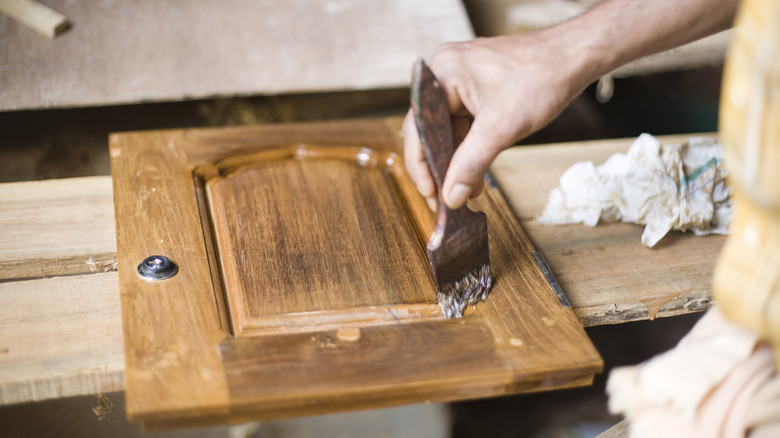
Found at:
<point>157,267</point>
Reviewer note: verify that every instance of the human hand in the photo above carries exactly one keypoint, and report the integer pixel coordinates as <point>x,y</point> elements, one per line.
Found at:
<point>499,90</point>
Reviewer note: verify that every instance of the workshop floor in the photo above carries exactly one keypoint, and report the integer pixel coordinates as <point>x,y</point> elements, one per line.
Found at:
<point>73,142</point>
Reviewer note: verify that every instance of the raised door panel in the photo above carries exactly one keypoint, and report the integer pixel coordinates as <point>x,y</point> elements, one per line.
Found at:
<point>303,283</point>
<point>316,236</point>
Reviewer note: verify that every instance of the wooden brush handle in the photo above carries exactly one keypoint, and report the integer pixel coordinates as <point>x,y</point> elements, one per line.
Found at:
<point>437,141</point>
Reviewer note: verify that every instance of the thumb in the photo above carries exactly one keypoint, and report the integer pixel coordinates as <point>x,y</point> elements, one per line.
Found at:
<point>470,162</point>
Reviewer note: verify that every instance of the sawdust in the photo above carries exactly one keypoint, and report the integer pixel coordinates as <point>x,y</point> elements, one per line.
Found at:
<point>103,408</point>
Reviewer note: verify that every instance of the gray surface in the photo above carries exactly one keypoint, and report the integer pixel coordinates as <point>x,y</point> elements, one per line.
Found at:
<point>123,51</point>
<point>75,417</point>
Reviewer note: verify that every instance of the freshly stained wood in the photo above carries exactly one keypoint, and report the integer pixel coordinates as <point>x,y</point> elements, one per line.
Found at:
<point>323,230</point>
<point>288,228</point>
<point>130,51</point>
<point>606,273</point>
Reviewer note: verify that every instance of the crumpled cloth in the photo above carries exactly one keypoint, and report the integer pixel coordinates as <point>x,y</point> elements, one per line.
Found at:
<point>665,187</point>
<point>703,387</point>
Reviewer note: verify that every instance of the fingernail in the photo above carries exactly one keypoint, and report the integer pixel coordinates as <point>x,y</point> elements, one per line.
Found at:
<point>457,195</point>
<point>425,191</point>
<point>433,204</point>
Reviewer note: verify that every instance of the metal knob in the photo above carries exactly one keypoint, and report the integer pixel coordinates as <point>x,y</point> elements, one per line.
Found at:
<point>157,267</point>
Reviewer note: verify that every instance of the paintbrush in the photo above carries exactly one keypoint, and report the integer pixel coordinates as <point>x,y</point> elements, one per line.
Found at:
<point>458,247</point>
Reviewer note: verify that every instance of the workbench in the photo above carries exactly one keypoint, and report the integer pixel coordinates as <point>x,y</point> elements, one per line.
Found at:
<point>60,318</point>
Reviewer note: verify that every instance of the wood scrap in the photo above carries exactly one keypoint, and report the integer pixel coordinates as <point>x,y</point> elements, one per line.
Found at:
<point>36,16</point>
<point>103,407</point>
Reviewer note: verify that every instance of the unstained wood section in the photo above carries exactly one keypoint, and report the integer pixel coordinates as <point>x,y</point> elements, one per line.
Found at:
<point>56,227</point>
<point>60,320</point>
<point>606,273</point>
<point>60,337</point>
<point>130,51</point>
<point>316,234</point>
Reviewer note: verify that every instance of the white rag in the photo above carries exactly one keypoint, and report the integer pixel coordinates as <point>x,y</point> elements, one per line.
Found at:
<point>665,187</point>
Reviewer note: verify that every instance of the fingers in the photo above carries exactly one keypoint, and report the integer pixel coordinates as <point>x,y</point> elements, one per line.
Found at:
<point>511,86</point>
<point>448,68</point>
<point>469,88</point>
<point>460,128</point>
<point>465,176</point>
<point>414,160</point>
<point>472,158</point>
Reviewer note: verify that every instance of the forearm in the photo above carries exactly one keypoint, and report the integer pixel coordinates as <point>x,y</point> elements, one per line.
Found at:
<point>619,31</point>
<point>513,85</point>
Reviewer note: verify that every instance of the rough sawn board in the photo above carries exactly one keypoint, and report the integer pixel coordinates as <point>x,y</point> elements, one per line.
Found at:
<point>204,346</point>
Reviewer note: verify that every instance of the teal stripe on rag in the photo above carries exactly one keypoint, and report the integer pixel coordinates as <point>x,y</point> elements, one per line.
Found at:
<point>684,181</point>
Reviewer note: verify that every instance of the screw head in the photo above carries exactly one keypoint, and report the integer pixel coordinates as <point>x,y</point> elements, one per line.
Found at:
<point>157,267</point>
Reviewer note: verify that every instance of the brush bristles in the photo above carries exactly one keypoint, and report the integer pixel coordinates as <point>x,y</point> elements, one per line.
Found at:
<point>468,291</point>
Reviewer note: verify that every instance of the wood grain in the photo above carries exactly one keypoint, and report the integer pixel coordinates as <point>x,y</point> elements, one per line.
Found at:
<point>56,227</point>
<point>316,230</point>
<point>60,337</point>
<point>494,349</point>
<point>607,274</point>
<point>127,51</point>
<point>54,363</point>
<point>320,230</point>
<point>170,326</point>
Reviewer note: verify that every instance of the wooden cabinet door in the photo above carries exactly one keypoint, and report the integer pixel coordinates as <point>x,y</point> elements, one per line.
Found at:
<point>303,285</point>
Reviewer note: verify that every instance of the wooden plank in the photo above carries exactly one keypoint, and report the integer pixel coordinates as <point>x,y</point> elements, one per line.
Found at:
<point>521,339</point>
<point>32,14</point>
<point>127,51</point>
<point>60,337</point>
<point>56,227</point>
<point>526,174</point>
<point>606,273</point>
